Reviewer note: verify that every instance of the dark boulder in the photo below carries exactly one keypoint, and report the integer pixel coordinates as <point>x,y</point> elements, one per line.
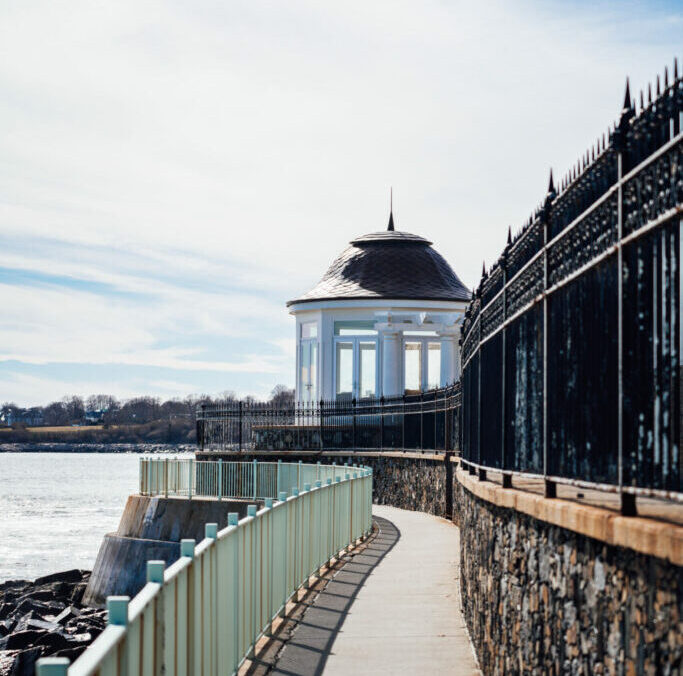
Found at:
<point>19,640</point>
<point>53,642</point>
<point>73,575</point>
<point>67,614</point>
<point>25,662</point>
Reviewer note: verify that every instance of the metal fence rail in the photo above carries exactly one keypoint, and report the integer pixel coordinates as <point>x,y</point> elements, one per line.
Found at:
<point>173,477</point>
<point>428,421</point>
<point>570,348</point>
<point>204,613</point>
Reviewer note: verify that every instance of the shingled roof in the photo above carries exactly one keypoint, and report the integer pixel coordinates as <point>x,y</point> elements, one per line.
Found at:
<point>389,264</point>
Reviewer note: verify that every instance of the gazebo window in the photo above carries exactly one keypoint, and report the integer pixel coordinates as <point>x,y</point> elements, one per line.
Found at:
<point>356,369</point>
<point>355,328</point>
<point>421,364</point>
<point>308,359</point>
<point>413,367</point>
<point>433,365</point>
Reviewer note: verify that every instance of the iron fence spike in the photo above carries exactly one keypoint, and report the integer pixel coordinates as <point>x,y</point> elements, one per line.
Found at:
<point>627,96</point>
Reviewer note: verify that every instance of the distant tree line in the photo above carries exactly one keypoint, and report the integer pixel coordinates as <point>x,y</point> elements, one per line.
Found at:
<point>139,418</point>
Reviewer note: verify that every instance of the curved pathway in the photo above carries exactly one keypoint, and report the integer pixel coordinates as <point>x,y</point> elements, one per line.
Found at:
<point>394,608</point>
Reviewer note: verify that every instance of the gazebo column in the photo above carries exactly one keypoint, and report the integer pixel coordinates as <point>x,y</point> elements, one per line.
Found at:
<point>391,363</point>
<point>450,359</point>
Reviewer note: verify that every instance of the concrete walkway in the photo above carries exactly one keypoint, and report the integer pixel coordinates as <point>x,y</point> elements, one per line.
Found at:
<point>392,609</point>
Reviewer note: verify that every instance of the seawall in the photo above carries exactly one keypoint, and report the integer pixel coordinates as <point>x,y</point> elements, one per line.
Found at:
<point>603,596</point>
<point>151,528</point>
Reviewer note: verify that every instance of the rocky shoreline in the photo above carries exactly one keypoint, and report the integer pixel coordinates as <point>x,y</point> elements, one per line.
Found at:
<point>67,447</point>
<point>45,617</point>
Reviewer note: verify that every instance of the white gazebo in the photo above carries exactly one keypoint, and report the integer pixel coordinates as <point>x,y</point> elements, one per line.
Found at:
<point>383,320</point>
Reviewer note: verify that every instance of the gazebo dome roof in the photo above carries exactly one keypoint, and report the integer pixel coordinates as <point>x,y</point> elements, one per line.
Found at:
<point>388,264</point>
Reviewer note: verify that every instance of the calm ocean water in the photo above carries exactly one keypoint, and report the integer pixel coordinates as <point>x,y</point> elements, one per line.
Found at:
<point>55,508</point>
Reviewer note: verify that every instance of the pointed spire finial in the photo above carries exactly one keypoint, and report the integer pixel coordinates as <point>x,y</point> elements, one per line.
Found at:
<point>390,227</point>
<point>666,77</point>
<point>509,235</point>
<point>483,269</point>
<point>676,68</point>
<point>627,96</point>
<point>658,89</point>
<point>551,187</point>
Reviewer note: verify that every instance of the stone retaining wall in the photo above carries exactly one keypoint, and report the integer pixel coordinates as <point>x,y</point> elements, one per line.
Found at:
<point>539,598</point>
<point>409,481</point>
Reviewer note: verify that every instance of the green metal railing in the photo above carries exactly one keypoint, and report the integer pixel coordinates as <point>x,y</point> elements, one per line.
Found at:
<point>174,477</point>
<point>205,613</point>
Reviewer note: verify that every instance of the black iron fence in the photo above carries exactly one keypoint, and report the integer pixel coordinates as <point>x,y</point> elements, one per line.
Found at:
<point>570,348</point>
<point>429,421</point>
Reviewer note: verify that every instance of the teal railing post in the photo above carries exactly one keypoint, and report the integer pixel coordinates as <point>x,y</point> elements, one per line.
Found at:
<point>298,474</point>
<point>52,666</point>
<point>233,518</point>
<point>155,571</point>
<point>187,548</point>
<point>189,478</point>
<point>211,531</point>
<point>283,498</point>
<point>117,607</point>
<point>220,478</point>
<point>269,554</point>
<point>279,466</point>
<point>255,465</point>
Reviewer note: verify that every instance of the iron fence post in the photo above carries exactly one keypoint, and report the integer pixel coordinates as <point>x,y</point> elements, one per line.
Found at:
<point>353,416</point>
<point>381,422</point>
<point>479,416</point>
<point>628,500</point>
<point>550,487</point>
<point>403,424</point>
<point>322,424</point>
<point>422,415</point>
<point>502,370</point>
<point>239,426</point>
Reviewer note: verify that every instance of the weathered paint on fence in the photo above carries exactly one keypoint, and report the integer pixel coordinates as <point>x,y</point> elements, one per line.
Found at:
<point>570,347</point>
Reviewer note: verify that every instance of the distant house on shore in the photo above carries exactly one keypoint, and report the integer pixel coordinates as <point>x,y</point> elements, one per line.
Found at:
<point>33,417</point>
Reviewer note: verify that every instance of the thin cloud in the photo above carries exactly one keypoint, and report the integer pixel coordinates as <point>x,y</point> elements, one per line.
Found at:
<point>171,174</point>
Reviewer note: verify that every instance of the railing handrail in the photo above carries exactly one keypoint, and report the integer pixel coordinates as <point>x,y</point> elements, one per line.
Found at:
<point>205,613</point>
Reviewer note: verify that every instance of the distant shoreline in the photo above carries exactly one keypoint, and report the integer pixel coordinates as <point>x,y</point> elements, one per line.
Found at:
<point>67,447</point>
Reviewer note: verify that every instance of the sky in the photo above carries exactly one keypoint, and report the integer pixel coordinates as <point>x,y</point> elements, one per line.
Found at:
<point>171,173</point>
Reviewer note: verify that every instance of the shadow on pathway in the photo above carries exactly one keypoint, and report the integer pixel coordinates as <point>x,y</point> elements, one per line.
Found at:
<point>306,653</point>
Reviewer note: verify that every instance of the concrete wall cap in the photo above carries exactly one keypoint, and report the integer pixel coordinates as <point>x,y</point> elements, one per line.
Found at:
<point>647,536</point>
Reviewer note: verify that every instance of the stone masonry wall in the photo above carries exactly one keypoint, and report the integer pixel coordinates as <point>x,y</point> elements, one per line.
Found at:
<point>408,482</point>
<point>539,599</point>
